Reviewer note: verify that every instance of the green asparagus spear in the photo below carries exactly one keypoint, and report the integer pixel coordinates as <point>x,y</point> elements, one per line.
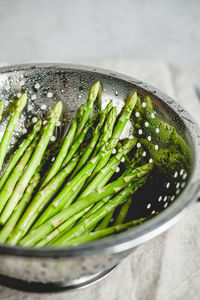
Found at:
<point>41,199</point>
<point>62,153</point>
<point>91,236</point>
<point>34,162</point>
<point>124,117</point>
<point>51,224</point>
<point>21,102</point>
<point>23,146</point>
<point>81,228</point>
<point>1,109</point>
<point>71,190</point>
<point>123,212</point>
<point>106,220</point>
<point>108,128</point>
<point>94,93</point>
<point>8,188</point>
<point>8,227</point>
<point>78,141</point>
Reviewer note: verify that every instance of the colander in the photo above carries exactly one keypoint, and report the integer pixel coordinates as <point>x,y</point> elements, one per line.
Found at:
<point>48,270</point>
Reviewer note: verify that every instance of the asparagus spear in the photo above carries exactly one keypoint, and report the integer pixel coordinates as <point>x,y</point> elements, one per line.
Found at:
<point>124,117</point>
<point>123,212</point>
<point>8,227</point>
<point>21,102</point>
<point>36,235</point>
<point>94,93</point>
<point>91,236</point>
<point>62,153</point>
<point>108,128</point>
<point>23,146</point>
<point>34,162</point>
<point>71,190</point>
<point>78,141</point>
<point>104,223</point>
<point>41,199</point>
<point>8,188</point>
<point>1,109</point>
<point>81,228</point>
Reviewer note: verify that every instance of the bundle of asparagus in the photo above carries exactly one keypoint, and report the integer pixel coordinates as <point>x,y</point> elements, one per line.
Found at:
<point>74,200</point>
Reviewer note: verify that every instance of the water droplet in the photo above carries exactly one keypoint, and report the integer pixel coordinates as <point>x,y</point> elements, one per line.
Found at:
<point>116,93</point>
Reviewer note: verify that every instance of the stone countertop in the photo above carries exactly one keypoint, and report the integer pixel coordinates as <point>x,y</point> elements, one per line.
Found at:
<point>167,267</point>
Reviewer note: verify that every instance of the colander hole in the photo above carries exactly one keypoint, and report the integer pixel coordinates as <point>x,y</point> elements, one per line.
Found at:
<point>43,106</point>
<point>49,95</point>
<point>30,107</point>
<point>165,199</point>
<point>172,198</point>
<point>144,154</point>
<point>146,124</point>
<point>184,176</point>
<point>33,97</point>
<point>123,159</point>
<point>178,185</point>
<point>168,185</point>
<point>181,172</point>
<point>178,191</point>
<point>153,115</point>
<point>176,174</point>
<point>137,114</point>
<point>37,85</point>
<point>53,158</point>
<point>22,82</point>
<point>143,104</point>
<point>53,138</point>
<point>149,138</point>
<point>150,160</point>
<point>34,119</point>
<point>160,198</point>
<point>157,130</point>
<point>153,212</point>
<point>79,96</point>
<point>24,130</point>
<point>44,122</point>
<point>183,184</point>
<point>116,93</point>
<point>165,205</point>
<point>149,205</point>
<point>138,145</point>
<point>156,147</point>
<point>114,151</point>
<point>117,170</point>
<point>140,131</point>
<point>19,94</point>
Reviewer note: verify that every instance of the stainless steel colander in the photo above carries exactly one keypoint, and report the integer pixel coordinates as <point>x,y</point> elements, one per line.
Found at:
<point>58,269</point>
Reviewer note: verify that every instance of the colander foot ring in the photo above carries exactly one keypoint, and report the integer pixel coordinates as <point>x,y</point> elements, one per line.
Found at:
<point>38,287</point>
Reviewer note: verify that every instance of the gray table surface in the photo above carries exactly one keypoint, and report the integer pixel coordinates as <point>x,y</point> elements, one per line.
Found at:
<point>167,267</point>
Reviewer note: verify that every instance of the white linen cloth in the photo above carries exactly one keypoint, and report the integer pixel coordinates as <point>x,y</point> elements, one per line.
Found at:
<point>167,267</point>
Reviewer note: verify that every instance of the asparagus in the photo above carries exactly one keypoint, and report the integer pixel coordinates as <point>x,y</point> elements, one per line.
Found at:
<point>123,212</point>
<point>62,153</point>
<point>78,142</point>
<point>91,236</point>
<point>104,223</point>
<point>23,146</point>
<point>71,190</point>
<point>90,147</point>
<point>81,228</point>
<point>107,129</point>
<point>8,227</point>
<point>40,232</point>
<point>94,93</point>
<point>8,188</point>
<point>1,109</point>
<point>41,199</point>
<point>34,162</point>
<point>125,115</point>
<point>21,102</point>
